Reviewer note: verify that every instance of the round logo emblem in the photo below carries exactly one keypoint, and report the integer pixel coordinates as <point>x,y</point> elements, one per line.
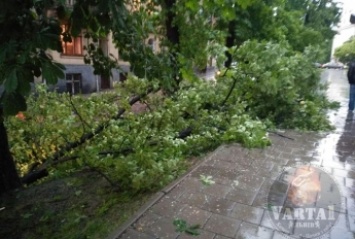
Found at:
<point>304,202</point>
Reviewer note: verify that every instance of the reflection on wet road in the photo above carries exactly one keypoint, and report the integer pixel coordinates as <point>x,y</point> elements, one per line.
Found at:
<point>336,151</point>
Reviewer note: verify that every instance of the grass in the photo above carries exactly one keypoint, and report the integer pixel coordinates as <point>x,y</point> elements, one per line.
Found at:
<point>80,206</point>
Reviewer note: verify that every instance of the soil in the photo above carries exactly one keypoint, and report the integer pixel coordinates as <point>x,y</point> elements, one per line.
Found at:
<point>58,208</point>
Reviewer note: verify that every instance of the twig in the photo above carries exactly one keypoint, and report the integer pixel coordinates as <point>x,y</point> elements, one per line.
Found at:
<point>83,122</point>
<point>228,68</point>
<point>281,135</point>
<point>98,130</point>
<point>146,103</point>
<point>230,91</point>
<point>56,158</point>
<point>101,174</point>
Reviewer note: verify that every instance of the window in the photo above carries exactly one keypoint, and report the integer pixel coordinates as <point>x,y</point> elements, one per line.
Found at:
<point>73,82</point>
<point>73,48</point>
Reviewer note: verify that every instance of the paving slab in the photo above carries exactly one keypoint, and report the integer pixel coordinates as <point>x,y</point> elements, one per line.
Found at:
<point>256,193</point>
<point>223,225</point>
<point>253,231</point>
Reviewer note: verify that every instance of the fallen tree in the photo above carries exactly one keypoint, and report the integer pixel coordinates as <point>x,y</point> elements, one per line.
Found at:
<point>40,171</point>
<point>140,151</point>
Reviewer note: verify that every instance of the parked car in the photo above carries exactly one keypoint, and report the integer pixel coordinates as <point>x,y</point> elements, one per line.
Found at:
<point>334,65</point>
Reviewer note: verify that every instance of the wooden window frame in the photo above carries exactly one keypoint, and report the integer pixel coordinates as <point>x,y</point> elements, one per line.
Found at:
<point>75,41</point>
<point>72,79</point>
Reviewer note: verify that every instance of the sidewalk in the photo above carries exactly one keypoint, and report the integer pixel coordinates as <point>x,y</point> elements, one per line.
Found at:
<point>238,201</point>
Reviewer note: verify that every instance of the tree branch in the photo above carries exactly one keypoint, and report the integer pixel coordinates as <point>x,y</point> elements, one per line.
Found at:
<point>98,130</point>
<point>96,170</point>
<point>83,122</point>
<point>230,91</point>
<point>41,172</point>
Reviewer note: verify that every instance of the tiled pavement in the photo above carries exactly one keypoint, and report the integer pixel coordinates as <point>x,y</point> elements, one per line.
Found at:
<point>237,205</point>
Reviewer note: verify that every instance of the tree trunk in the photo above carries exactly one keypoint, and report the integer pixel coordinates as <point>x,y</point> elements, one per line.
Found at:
<point>172,31</point>
<point>9,178</point>
<point>230,40</point>
<point>173,36</point>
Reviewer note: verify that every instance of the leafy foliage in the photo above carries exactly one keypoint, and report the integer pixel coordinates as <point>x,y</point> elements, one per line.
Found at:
<point>139,152</point>
<point>346,52</point>
<point>51,121</point>
<point>207,180</point>
<point>289,82</point>
<point>143,151</point>
<point>25,33</point>
<point>274,43</point>
<point>316,20</point>
<point>182,226</point>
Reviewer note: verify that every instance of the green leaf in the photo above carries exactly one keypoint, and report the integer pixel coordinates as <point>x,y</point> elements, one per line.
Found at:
<point>11,81</point>
<point>27,215</point>
<point>60,66</point>
<point>192,4</point>
<point>245,3</point>
<point>207,180</point>
<point>180,225</point>
<point>78,193</point>
<point>51,72</point>
<point>7,49</point>
<point>228,13</point>
<point>193,230</point>
<point>13,103</point>
<point>24,87</point>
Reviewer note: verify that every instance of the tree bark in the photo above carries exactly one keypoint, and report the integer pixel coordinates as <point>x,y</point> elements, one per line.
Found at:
<point>230,91</point>
<point>172,31</point>
<point>173,36</point>
<point>9,178</point>
<point>230,40</point>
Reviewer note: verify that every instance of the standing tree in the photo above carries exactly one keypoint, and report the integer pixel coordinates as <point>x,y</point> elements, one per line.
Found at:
<point>318,18</point>
<point>9,178</point>
<point>26,32</point>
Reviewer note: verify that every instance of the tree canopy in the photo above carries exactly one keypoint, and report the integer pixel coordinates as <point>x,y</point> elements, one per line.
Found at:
<point>193,29</point>
<point>189,33</point>
<point>346,52</point>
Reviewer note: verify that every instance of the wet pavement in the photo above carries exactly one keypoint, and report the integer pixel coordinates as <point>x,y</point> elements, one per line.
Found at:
<point>303,186</point>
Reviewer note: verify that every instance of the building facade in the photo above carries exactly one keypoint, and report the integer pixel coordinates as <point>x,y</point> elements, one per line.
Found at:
<point>80,77</point>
